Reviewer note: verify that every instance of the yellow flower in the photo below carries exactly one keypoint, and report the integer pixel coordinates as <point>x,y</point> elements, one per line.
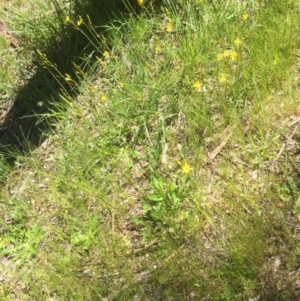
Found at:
<point>140,2</point>
<point>68,77</point>
<point>158,48</point>
<point>169,26</point>
<point>223,78</point>
<point>197,85</point>
<point>103,98</point>
<point>201,1</point>
<point>233,55</point>
<point>185,167</point>
<point>121,84</point>
<point>238,42</point>
<point>106,54</point>
<point>226,54</point>
<point>67,19</point>
<point>245,16</point>
<point>79,21</point>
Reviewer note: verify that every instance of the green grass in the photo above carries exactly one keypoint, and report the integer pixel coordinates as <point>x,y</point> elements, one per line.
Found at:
<point>151,151</point>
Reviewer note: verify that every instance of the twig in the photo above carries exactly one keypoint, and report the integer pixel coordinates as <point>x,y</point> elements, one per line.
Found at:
<point>212,155</point>
<point>288,138</point>
<point>280,153</point>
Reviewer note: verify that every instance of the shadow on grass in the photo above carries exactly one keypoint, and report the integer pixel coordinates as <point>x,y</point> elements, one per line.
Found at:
<point>32,116</point>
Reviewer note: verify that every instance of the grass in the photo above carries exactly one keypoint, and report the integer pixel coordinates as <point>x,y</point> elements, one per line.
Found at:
<point>151,151</point>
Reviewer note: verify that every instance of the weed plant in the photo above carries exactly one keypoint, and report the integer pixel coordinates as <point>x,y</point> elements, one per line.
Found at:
<point>151,152</point>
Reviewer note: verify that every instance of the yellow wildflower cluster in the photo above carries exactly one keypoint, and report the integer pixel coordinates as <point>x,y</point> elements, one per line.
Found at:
<point>68,20</point>
<point>232,54</point>
<point>169,22</point>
